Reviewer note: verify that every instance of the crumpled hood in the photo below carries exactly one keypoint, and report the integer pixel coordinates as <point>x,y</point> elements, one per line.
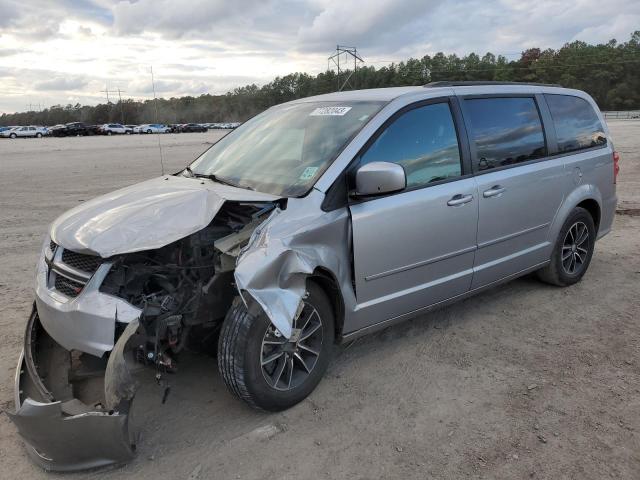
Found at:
<point>145,216</point>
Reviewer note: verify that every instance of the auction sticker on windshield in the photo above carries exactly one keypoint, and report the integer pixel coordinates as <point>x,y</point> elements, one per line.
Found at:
<point>308,173</point>
<point>329,111</point>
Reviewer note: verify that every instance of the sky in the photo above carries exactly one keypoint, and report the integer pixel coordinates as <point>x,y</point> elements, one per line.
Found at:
<point>70,51</point>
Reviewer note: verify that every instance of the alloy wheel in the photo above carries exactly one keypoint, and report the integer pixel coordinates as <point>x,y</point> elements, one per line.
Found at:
<point>287,363</point>
<point>575,248</point>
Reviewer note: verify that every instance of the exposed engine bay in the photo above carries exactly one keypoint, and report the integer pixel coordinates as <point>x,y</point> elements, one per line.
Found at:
<point>127,281</point>
<point>187,285</point>
<point>182,291</point>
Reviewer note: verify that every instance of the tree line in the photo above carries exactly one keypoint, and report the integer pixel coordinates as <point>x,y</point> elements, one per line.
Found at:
<point>610,72</point>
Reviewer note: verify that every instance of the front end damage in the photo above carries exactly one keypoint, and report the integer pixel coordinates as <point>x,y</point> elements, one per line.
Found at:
<point>94,324</point>
<point>112,298</point>
<point>63,413</point>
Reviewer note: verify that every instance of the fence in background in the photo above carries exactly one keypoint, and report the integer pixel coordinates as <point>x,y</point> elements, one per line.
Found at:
<point>622,115</point>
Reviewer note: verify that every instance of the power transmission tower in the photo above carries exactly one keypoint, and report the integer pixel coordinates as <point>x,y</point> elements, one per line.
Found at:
<point>348,54</point>
<point>119,92</point>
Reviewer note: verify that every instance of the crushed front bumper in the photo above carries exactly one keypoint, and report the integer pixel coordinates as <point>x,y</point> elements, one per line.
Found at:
<point>62,412</point>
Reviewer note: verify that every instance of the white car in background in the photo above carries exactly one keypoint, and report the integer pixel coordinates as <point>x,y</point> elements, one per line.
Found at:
<point>30,131</point>
<point>115,128</point>
<point>152,128</point>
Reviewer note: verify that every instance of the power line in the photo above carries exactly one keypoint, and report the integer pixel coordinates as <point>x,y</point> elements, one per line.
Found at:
<point>557,55</point>
<point>513,67</point>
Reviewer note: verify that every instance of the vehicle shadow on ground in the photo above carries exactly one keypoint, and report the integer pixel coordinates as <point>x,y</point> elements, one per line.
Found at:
<point>200,409</point>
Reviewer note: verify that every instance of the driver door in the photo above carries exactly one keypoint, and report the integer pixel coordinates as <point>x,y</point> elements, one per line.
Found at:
<point>416,247</point>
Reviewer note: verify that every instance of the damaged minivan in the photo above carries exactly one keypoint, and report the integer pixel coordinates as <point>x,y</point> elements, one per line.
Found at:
<point>315,222</point>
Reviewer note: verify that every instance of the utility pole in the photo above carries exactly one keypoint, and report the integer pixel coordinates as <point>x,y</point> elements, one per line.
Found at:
<point>106,90</point>
<point>121,106</point>
<point>119,92</point>
<point>348,53</point>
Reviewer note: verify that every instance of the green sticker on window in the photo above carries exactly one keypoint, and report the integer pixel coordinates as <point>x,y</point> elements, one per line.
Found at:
<point>308,173</point>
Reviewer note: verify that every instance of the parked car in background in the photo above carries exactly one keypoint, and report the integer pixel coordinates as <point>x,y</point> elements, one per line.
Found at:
<point>192,127</point>
<point>132,128</point>
<point>25,132</point>
<point>74,129</point>
<point>2,129</point>
<point>115,129</point>
<point>152,128</point>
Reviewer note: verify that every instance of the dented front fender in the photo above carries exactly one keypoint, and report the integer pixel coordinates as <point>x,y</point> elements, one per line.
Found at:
<point>285,251</point>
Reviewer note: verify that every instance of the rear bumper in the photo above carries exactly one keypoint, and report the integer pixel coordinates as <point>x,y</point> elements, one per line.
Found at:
<point>63,432</point>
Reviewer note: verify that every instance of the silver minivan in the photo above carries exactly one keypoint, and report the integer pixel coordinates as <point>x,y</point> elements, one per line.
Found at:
<point>315,222</point>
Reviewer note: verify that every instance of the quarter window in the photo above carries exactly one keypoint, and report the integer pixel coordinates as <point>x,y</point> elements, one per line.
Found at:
<point>577,125</point>
<point>506,131</point>
<point>422,140</point>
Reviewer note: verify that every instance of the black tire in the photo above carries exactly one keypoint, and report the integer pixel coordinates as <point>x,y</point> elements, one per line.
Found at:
<point>149,131</point>
<point>38,135</point>
<point>240,354</point>
<point>557,272</point>
<point>12,135</point>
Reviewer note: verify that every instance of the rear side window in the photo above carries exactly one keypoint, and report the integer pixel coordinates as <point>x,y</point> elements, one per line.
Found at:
<point>577,124</point>
<point>422,140</point>
<point>506,131</point>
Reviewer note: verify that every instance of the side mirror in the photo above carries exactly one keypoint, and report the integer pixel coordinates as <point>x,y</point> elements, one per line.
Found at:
<point>376,178</point>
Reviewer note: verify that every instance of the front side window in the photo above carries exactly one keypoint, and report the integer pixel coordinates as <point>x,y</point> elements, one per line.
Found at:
<point>576,123</point>
<point>506,131</point>
<point>284,150</point>
<point>422,140</point>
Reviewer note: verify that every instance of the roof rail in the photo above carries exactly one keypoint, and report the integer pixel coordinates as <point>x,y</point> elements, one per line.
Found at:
<point>473,83</point>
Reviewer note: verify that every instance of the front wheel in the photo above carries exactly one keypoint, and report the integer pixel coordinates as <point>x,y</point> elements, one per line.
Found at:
<point>268,371</point>
<point>38,135</point>
<point>13,135</point>
<point>572,251</point>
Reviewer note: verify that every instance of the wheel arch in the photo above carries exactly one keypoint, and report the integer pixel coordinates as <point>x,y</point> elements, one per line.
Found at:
<point>326,280</point>
<point>585,196</point>
<point>593,207</point>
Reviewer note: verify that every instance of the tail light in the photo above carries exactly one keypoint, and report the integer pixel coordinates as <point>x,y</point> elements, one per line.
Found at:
<point>616,166</point>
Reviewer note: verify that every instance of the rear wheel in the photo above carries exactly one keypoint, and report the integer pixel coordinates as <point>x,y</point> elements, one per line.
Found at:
<point>109,132</point>
<point>38,135</point>
<point>268,371</point>
<point>13,135</point>
<point>572,251</point>
<point>149,131</point>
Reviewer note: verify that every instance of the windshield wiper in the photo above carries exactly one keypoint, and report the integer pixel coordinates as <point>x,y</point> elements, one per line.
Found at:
<point>223,180</point>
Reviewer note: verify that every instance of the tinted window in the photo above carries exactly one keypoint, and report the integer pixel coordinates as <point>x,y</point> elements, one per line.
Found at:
<point>505,131</point>
<point>577,125</point>
<point>423,141</point>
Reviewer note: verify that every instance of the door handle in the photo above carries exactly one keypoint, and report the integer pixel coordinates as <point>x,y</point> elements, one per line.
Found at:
<point>494,191</point>
<point>459,199</point>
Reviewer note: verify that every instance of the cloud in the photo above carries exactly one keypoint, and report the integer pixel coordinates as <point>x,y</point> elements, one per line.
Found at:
<point>173,18</point>
<point>61,84</point>
<point>379,23</point>
<point>7,52</point>
<point>74,48</point>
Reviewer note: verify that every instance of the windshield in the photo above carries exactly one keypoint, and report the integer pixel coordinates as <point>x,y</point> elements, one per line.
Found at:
<point>284,150</point>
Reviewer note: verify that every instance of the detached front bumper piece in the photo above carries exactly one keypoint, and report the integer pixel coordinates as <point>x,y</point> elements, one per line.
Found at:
<point>62,412</point>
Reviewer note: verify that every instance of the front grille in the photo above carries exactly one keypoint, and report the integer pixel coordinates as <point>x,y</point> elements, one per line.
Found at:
<point>68,287</point>
<point>85,263</point>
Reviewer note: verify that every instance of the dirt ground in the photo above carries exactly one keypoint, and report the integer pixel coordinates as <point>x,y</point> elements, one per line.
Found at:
<point>523,381</point>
